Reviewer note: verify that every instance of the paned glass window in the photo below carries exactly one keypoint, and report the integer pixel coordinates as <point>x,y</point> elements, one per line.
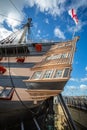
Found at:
<point>56,56</point>
<point>66,72</point>
<point>6,93</point>
<point>49,58</point>
<point>48,74</point>
<point>63,55</point>
<point>58,73</point>
<point>37,75</point>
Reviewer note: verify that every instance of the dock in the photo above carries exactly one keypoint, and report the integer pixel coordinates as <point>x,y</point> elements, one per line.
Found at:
<point>77,107</point>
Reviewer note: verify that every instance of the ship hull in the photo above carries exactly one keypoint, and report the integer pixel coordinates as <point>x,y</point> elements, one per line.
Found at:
<point>34,78</point>
<point>46,85</point>
<point>12,112</point>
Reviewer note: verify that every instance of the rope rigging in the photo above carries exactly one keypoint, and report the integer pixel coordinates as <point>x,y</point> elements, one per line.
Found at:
<point>20,33</point>
<point>15,7</point>
<point>10,18</point>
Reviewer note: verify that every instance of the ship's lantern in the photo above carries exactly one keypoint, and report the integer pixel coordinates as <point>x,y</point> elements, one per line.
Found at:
<point>2,70</point>
<point>38,47</point>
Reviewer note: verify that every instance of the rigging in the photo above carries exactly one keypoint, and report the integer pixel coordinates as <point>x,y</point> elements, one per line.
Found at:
<point>15,7</point>
<point>10,18</point>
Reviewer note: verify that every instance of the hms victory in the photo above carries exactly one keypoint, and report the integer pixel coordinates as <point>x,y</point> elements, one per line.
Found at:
<point>31,73</point>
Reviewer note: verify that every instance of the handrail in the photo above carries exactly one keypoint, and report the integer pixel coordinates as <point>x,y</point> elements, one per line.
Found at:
<point>67,113</point>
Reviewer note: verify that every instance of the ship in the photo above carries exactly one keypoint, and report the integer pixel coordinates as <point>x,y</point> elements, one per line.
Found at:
<point>31,73</point>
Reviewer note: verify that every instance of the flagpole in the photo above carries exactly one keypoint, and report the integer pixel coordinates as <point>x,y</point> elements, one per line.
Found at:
<point>73,14</point>
<point>73,33</point>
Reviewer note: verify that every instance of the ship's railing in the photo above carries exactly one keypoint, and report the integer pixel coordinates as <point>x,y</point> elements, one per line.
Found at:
<point>69,121</point>
<point>77,103</point>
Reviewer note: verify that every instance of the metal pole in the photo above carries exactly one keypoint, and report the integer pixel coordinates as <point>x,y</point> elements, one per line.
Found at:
<point>22,126</point>
<point>36,123</point>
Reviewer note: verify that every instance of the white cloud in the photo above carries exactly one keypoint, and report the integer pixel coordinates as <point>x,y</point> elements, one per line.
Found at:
<point>4,33</point>
<point>83,79</point>
<point>38,34</point>
<point>12,23</point>
<point>77,4</point>
<point>74,79</point>
<point>46,21</point>
<point>39,31</point>
<point>83,86</point>
<point>72,87</point>
<point>9,10</point>
<point>86,68</point>
<point>53,7</point>
<point>10,15</point>
<point>58,33</point>
<point>79,80</point>
<point>76,28</point>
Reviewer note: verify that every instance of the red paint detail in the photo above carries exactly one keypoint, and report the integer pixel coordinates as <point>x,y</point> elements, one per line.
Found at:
<point>20,60</point>
<point>2,70</point>
<point>38,47</point>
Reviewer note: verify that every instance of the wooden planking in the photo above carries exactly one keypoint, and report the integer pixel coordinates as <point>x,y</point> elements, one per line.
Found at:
<point>38,95</point>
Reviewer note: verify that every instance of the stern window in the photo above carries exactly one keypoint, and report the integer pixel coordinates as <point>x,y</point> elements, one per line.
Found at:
<point>58,73</point>
<point>37,75</point>
<point>48,74</point>
<point>66,72</point>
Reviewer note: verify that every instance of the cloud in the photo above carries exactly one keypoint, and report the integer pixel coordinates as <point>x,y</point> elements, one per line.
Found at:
<point>76,28</point>
<point>58,33</point>
<point>79,7</point>
<point>83,79</point>
<point>4,32</point>
<point>74,79</point>
<point>12,23</point>
<point>39,31</point>
<point>72,87</point>
<point>83,87</point>
<point>46,21</point>
<point>75,4</point>
<point>10,14</point>
<point>53,7</point>
<point>86,68</point>
<point>78,80</point>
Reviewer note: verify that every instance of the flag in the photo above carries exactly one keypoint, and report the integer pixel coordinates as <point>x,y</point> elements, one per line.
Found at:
<point>73,14</point>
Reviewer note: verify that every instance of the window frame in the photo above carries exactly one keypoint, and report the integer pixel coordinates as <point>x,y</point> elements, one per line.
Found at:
<point>7,93</point>
<point>67,74</point>
<point>52,71</point>
<point>34,74</point>
<point>61,74</point>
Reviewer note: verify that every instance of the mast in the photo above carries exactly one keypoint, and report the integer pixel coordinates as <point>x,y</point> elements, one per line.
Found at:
<point>26,28</point>
<point>14,44</point>
<point>19,36</point>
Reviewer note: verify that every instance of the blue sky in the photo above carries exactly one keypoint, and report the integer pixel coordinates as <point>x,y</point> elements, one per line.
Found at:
<point>51,21</point>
